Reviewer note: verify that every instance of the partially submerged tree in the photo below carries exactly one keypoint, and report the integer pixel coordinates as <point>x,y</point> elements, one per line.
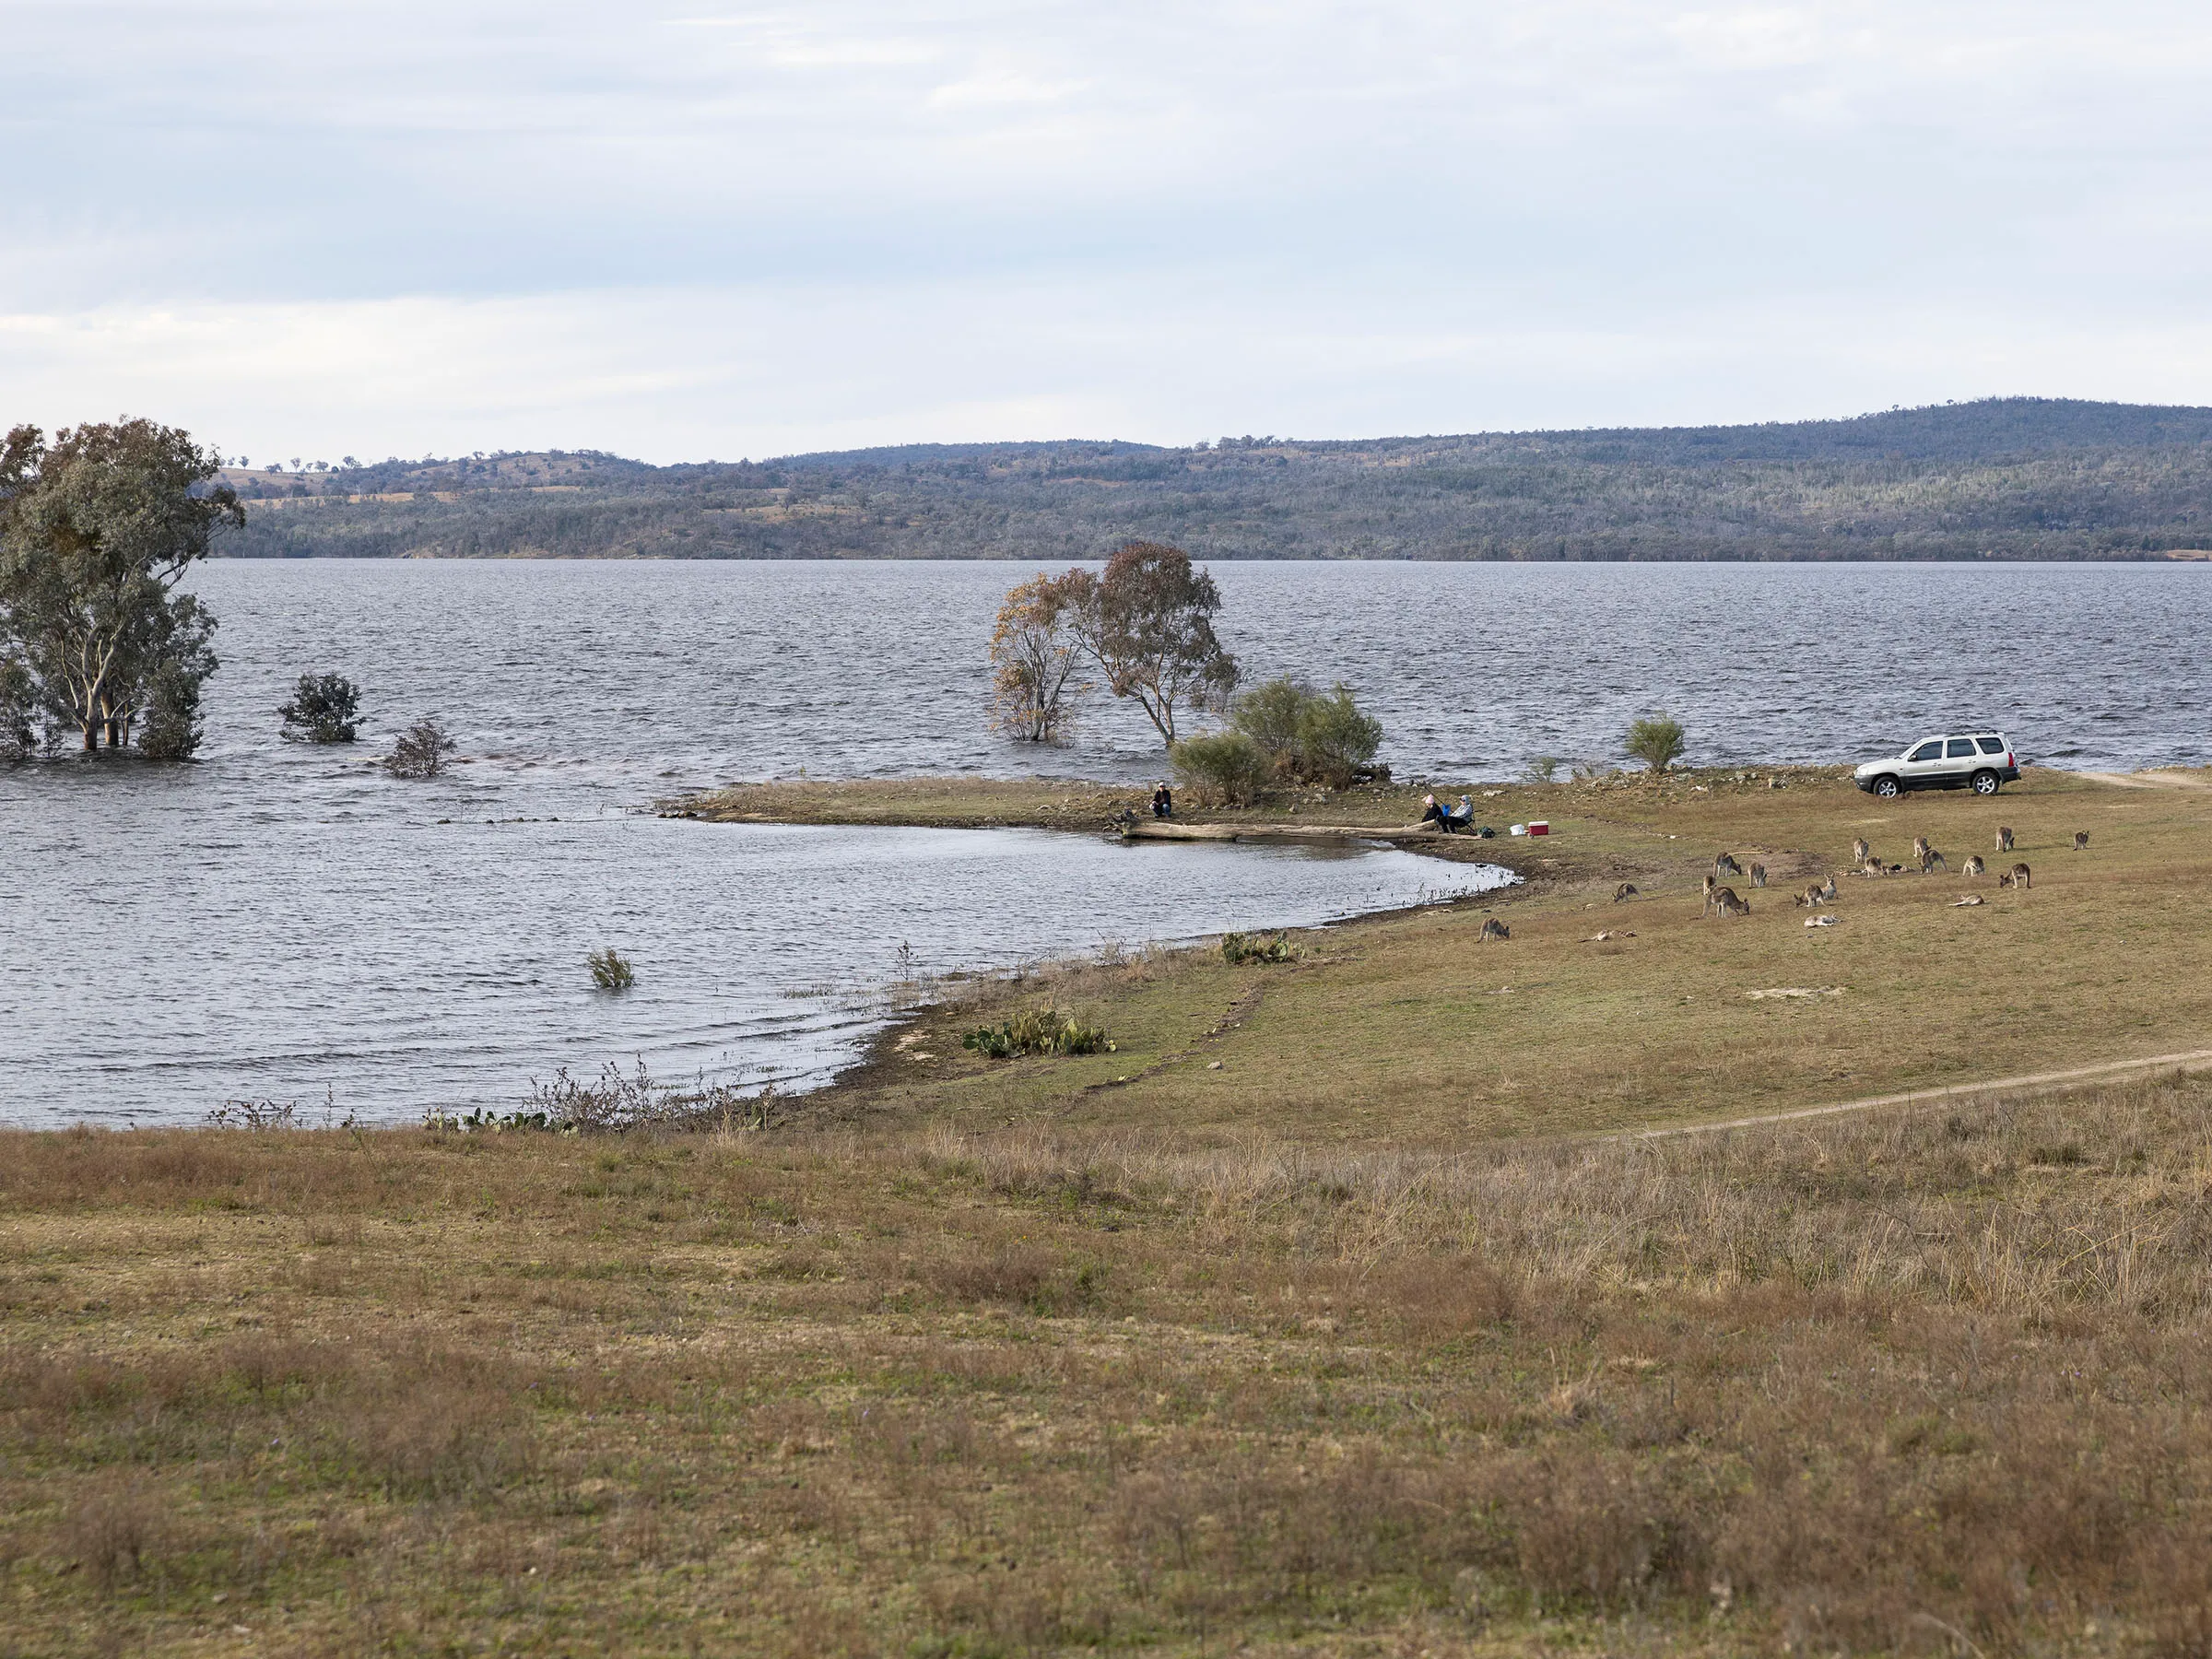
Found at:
<point>1147,622</point>
<point>96,531</point>
<point>323,709</point>
<point>1656,740</point>
<point>1036,656</point>
<point>420,751</point>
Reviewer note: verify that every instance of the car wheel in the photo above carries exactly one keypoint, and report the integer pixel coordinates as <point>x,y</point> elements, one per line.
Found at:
<point>1985,783</point>
<point>1886,788</point>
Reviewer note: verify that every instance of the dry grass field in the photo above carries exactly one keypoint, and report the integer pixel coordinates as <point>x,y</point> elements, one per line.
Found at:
<point>1928,1382</point>
<point>1380,1338</point>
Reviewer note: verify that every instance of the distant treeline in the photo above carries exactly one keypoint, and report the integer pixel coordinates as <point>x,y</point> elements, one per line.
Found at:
<point>2006,478</point>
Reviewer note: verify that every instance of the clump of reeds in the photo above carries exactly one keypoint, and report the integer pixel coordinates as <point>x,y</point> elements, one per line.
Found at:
<point>1042,1030</point>
<point>1240,948</point>
<point>611,970</point>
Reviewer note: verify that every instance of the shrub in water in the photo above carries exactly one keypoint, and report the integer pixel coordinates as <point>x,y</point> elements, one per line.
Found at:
<point>1043,1031</point>
<point>1228,767</point>
<point>1239,948</point>
<point>322,709</point>
<point>610,972</point>
<point>420,751</point>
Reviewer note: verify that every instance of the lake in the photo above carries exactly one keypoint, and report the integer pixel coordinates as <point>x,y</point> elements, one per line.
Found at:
<point>285,921</point>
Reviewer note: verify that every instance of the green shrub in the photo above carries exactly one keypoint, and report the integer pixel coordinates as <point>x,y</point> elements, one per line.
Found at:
<point>1307,735</point>
<point>610,972</point>
<point>325,709</point>
<point>1228,766</point>
<point>1044,1030</point>
<point>1336,742</point>
<point>1656,741</point>
<point>1239,948</point>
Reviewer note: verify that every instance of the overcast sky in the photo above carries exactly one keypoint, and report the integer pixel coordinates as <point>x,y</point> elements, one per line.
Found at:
<point>680,229</point>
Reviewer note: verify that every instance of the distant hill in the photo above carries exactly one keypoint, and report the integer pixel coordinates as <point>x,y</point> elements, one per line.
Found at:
<point>2004,477</point>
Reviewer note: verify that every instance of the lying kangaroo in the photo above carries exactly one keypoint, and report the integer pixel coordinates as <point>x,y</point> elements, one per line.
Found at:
<point>1974,866</point>
<point>2016,877</point>
<point>2081,840</point>
<point>1494,929</point>
<point>1860,850</point>
<point>1759,875</point>
<point>2004,838</point>
<point>1626,889</point>
<point>1725,903</point>
<point>1930,858</point>
<point>1725,864</point>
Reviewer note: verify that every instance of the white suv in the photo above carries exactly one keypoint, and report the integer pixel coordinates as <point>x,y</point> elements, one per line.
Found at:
<point>1981,761</point>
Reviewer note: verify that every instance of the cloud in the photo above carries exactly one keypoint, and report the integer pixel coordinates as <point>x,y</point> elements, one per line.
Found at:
<point>682,226</point>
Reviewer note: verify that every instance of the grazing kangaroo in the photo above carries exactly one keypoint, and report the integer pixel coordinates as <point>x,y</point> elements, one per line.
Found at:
<point>2081,840</point>
<point>1494,929</point>
<point>1626,889</point>
<point>2004,838</point>
<point>2016,876</point>
<point>1860,850</point>
<point>1872,867</point>
<point>1725,902</point>
<point>1813,895</point>
<point>1974,866</point>
<point>1725,864</point>
<point>1930,858</point>
<point>1759,875</point>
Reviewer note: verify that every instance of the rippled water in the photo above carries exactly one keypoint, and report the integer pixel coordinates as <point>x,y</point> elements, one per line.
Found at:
<point>281,921</point>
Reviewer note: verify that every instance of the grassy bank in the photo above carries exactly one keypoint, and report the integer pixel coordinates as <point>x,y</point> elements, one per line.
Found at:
<point>1410,1030</point>
<point>1900,1382</point>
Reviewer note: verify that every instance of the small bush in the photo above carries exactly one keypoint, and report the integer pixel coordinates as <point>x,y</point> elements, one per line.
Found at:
<point>1307,735</point>
<point>323,709</point>
<point>1239,948</point>
<point>1044,1030</point>
<point>1656,741</point>
<point>1542,768</point>
<point>610,970</point>
<point>1228,767</point>
<point>420,751</point>
<point>616,1102</point>
<point>111,1529</point>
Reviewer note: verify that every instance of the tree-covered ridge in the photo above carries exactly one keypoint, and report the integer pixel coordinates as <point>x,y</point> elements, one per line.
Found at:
<point>2012,477</point>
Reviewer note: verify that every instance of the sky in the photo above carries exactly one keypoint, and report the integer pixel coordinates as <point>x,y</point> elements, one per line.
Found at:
<point>682,230</point>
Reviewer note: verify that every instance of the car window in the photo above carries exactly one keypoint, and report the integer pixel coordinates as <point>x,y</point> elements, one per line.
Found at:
<point>1991,745</point>
<point>1931,750</point>
<point>1961,749</point>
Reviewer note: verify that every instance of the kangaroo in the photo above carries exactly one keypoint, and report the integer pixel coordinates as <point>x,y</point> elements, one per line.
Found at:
<point>2016,876</point>
<point>1711,882</point>
<point>1974,866</point>
<point>1494,929</point>
<point>1930,858</point>
<point>1759,875</point>
<point>1813,895</point>
<point>1726,864</point>
<point>1920,851</point>
<point>1828,889</point>
<point>2081,840</point>
<point>2004,838</point>
<point>1626,889</point>
<point>1860,850</point>
<point>1871,868</point>
<point>1727,905</point>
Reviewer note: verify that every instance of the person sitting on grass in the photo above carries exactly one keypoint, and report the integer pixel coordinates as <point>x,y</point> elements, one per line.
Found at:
<point>1433,812</point>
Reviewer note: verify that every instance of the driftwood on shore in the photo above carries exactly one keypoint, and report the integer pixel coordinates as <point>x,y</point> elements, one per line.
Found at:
<point>1169,829</point>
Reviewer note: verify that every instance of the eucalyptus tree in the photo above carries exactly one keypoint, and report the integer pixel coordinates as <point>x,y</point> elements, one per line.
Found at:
<point>1147,620</point>
<point>97,529</point>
